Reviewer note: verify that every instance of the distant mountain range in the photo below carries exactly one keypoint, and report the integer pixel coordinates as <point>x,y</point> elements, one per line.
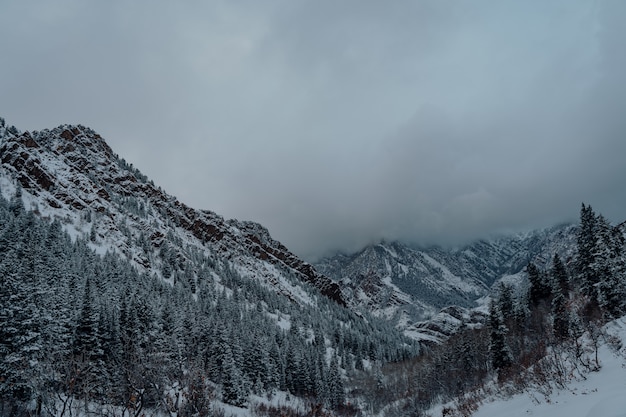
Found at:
<point>410,285</point>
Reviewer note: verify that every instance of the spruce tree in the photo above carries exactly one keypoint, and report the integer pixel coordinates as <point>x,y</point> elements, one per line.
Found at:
<point>233,388</point>
<point>20,338</point>
<point>560,316</point>
<point>500,353</point>
<point>23,321</point>
<point>87,346</point>
<point>539,289</point>
<point>560,290</point>
<point>335,388</point>
<point>587,241</point>
<point>505,301</point>
<point>608,267</point>
<point>86,341</point>
<point>559,275</point>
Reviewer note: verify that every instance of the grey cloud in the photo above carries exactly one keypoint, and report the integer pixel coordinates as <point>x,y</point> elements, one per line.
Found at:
<point>336,124</point>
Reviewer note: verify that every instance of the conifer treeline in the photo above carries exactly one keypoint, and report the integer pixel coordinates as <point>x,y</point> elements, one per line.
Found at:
<point>76,327</point>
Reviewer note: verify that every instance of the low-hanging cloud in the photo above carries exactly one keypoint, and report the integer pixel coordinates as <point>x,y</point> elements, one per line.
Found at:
<point>337,124</point>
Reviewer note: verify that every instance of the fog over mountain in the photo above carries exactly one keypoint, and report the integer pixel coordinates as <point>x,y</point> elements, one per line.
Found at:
<point>339,124</point>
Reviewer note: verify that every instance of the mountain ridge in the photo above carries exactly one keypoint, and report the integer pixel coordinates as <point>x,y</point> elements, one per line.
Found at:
<point>94,173</point>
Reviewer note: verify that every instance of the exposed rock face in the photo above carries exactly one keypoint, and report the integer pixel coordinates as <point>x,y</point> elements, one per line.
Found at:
<point>71,171</point>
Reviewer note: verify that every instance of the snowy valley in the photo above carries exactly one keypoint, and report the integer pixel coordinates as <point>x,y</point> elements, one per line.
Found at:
<point>118,299</point>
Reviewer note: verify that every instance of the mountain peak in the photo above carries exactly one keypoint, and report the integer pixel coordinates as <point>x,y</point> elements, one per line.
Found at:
<point>72,172</point>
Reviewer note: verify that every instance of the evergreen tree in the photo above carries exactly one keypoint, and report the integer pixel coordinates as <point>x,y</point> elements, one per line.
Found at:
<point>505,302</point>
<point>587,240</point>
<point>88,352</point>
<point>276,377</point>
<point>295,369</point>
<point>75,325</point>
<point>17,204</point>
<point>335,387</point>
<point>609,268</point>
<point>540,289</point>
<point>233,388</point>
<point>20,338</point>
<point>22,321</point>
<point>86,340</point>
<point>559,276</point>
<point>560,316</point>
<point>560,291</point>
<point>500,353</point>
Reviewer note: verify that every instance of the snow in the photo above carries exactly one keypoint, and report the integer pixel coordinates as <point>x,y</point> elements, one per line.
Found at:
<point>117,229</point>
<point>455,281</point>
<point>390,251</point>
<point>420,336</point>
<point>268,275</point>
<point>514,280</point>
<point>397,291</point>
<point>388,268</point>
<point>279,399</point>
<point>483,304</point>
<point>282,321</point>
<point>602,394</point>
<point>7,187</point>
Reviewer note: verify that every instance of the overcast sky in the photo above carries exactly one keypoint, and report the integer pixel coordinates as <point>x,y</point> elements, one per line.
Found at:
<point>340,123</point>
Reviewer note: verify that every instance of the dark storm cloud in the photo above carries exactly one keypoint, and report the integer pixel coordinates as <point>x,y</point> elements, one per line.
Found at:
<point>336,124</point>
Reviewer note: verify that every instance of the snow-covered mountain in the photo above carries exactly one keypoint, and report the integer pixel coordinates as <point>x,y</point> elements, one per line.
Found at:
<point>225,303</point>
<point>414,287</point>
<point>70,173</point>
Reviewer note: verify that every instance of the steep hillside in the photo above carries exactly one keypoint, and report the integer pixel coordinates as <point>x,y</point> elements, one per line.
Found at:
<point>143,302</point>
<point>71,173</point>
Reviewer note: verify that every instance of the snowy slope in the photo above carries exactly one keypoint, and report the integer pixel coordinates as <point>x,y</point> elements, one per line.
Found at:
<point>601,394</point>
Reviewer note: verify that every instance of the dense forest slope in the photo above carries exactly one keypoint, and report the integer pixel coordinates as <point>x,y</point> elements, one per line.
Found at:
<point>113,292</point>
